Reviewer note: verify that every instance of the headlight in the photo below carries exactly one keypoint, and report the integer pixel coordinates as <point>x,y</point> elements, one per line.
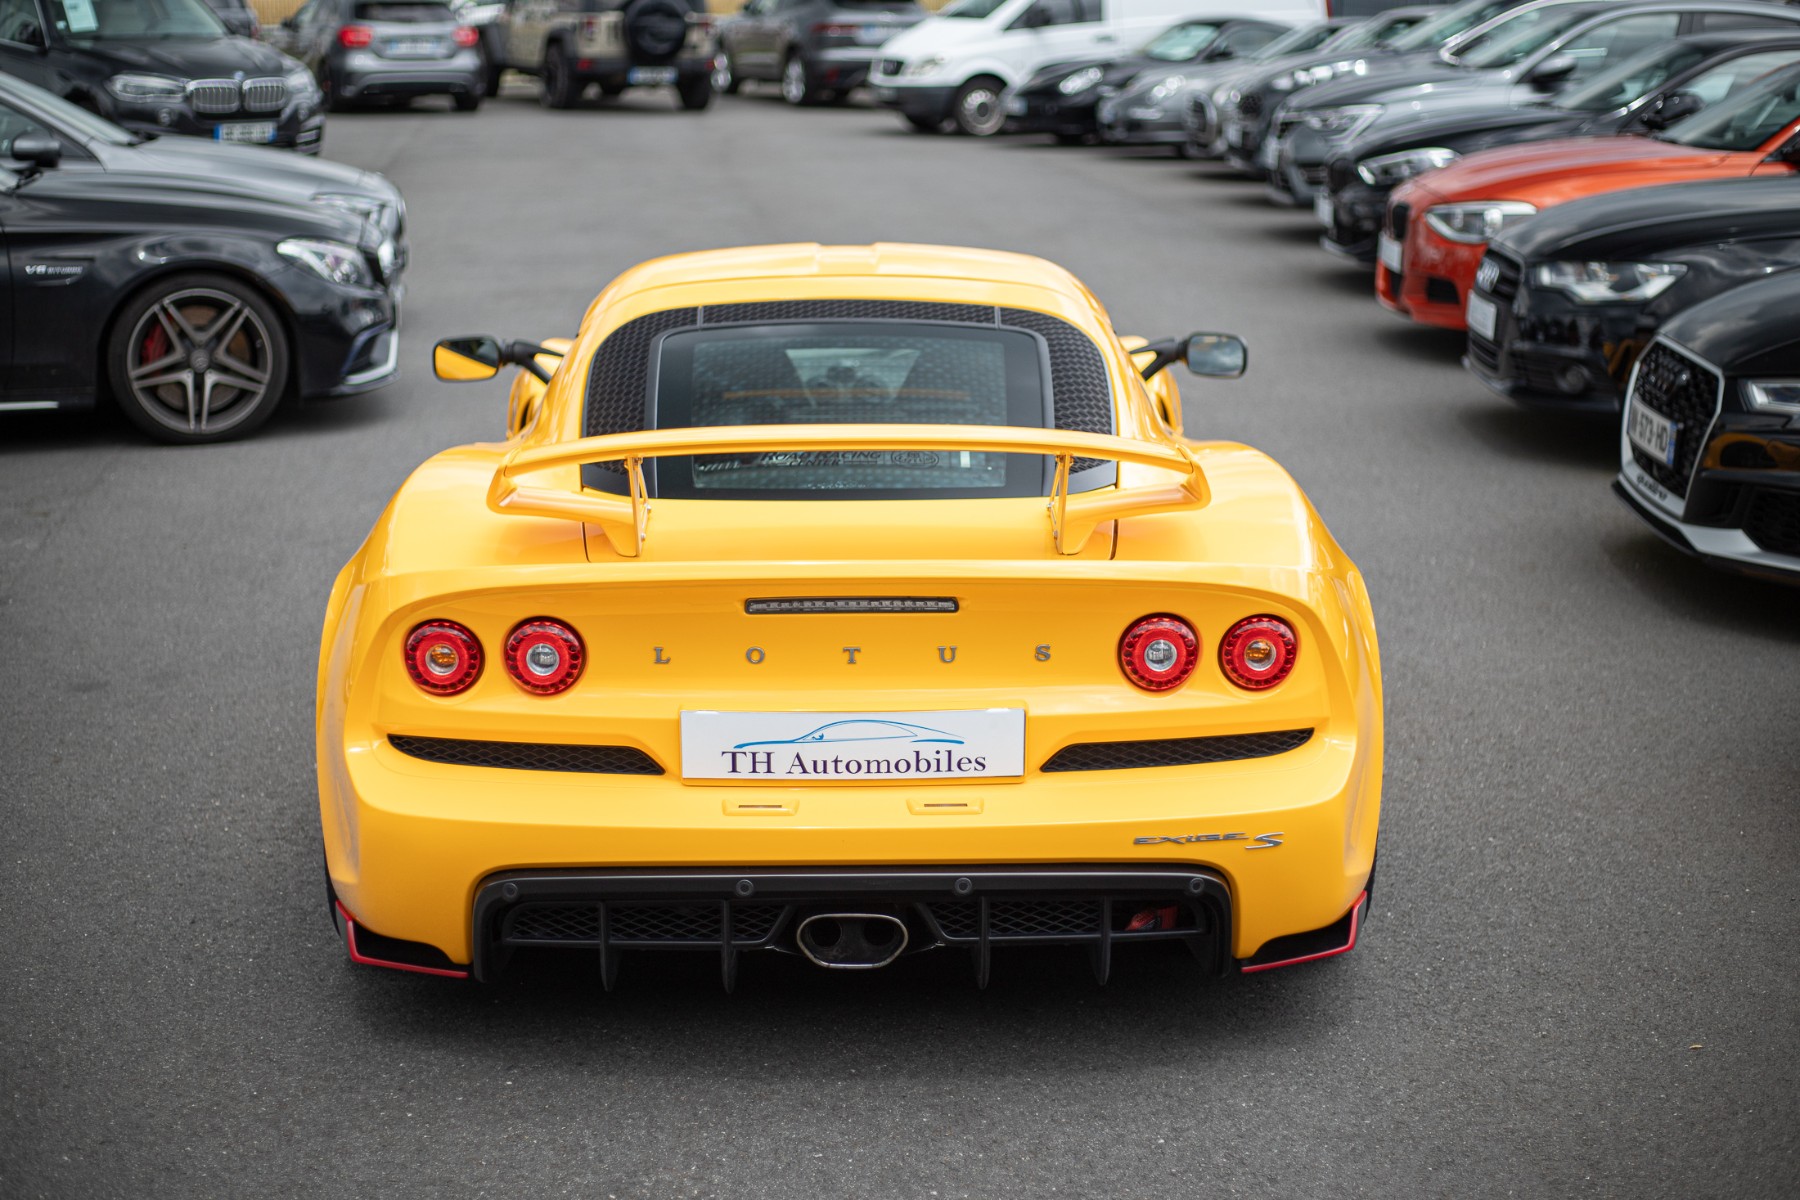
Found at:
<point>1080,81</point>
<point>144,88</point>
<point>1345,122</point>
<point>1283,82</point>
<point>925,66</point>
<point>1599,282</point>
<point>363,206</point>
<point>330,260</point>
<point>1780,397</point>
<point>1168,87</point>
<point>1390,170</point>
<point>301,84</point>
<point>1476,222</point>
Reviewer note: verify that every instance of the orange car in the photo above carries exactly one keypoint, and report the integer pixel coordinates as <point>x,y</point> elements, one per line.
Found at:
<point>1438,225</point>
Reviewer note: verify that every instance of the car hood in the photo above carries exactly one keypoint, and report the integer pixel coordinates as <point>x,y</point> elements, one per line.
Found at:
<point>215,58</point>
<point>294,176</point>
<point>1115,72</point>
<point>1643,222</point>
<point>149,199</point>
<point>1749,330</point>
<point>1555,171</point>
<point>941,35</point>
<point>1390,86</point>
<point>1460,129</point>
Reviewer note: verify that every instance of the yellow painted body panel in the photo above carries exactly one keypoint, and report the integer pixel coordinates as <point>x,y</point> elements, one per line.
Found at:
<point>408,842</point>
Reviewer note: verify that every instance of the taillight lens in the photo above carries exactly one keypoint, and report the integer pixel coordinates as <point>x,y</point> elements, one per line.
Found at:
<point>544,656</point>
<point>831,29</point>
<point>1159,653</point>
<point>355,37</point>
<point>1258,652</point>
<point>465,37</point>
<point>443,658</point>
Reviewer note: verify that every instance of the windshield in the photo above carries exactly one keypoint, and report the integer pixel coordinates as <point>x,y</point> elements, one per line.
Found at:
<point>1449,23</point>
<point>1371,32</point>
<point>1182,42</point>
<point>1628,81</point>
<point>1519,36</point>
<point>134,20</point>
<point>1745,121</point>
<point>850,373</point>
<point>1295,41</point>
<point>71,117</point>
<point>975,9</point>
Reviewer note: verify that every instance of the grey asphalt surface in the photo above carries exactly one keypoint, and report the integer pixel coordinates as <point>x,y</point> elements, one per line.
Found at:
<point>1578,980</point>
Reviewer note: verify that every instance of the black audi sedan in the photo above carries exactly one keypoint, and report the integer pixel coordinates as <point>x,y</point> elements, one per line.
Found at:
<point>197,305</point>
<point>1064,98</point>
<point>162,66</point>
<point>1710,446</point>
<point>1580,289</point>
<point>1648,91</point>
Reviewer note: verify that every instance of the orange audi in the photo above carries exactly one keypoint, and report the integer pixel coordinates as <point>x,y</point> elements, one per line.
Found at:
<point>1438,225</point>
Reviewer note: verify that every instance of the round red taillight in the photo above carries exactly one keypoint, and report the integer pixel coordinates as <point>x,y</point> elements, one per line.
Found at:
<point>443,658</point>
<point>544,656</point>
<point>1158,653</point>
<point>1258,652</point>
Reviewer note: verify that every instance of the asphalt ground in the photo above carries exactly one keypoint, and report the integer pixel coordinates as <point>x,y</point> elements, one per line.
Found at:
<point>1578,978</point>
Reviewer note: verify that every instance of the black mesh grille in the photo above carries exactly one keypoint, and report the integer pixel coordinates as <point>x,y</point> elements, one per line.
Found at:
<point>958,918</point>
<point>1039,918</point>
<point>847,310</point>
<point>664,922</point>
<point>1484,353</point>
<point>580,923</point>
<point>1174,752</point>
<point>1773,521</point>
<point>1440,291</point>
<point>1082,400</point>
<point>554,923</point>
<point>1250,105</point>
<point>1685,391</point>
<point>528,756</point>
<point>616,390</point>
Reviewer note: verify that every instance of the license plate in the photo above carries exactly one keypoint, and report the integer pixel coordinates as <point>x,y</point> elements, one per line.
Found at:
<point>873,35</point>
<point>1269,153</point>
<point>1652,433</point>
<point>1391,252</point>
<point>1015,106</point>
<point>413,48</point>
<point>886,95</point>
<point>1109,108</point>
<point>1234,132</point>
<point>1481,315</point>
<point>1322,210</point>
<point>255,133</point>
<point>797,747</point>
<point>650,75</point>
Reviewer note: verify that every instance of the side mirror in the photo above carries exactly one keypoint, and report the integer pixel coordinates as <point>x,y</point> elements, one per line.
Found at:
<point>1676,106</point>
<point>39,149</point>
<point>1552,70</point>
<point>466,359</point>
<point>1216,355</point>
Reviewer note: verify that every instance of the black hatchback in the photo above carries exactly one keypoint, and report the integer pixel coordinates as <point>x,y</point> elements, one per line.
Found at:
<point>162,66</point>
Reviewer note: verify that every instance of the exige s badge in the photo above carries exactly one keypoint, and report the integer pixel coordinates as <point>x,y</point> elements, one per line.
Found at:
<point>1262,841</point>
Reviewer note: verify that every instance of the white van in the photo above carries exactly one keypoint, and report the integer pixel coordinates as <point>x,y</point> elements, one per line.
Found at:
<point>956,65</point>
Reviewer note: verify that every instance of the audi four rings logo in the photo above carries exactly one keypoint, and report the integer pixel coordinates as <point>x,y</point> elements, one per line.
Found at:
<point>1487,275</point>
<point>1262,841</point>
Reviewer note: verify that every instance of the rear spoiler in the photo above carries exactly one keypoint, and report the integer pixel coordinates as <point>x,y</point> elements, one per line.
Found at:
<point>626,519</point>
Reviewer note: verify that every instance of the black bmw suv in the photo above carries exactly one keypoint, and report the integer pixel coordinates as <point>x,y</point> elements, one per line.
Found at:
<point>162,66</point>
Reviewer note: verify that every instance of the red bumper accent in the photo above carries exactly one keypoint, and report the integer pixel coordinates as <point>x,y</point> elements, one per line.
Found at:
<point>1349,943</point>
<point>362,959</point>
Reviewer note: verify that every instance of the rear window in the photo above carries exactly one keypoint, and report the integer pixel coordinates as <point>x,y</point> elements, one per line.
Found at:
<point>847,373</point>
<point>404,14</point>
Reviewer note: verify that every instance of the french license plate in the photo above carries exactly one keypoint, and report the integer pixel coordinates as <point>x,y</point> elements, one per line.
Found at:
<point>1268,155</point>
<point>797,747</point>
<point>1015,106</point>
<point>651,75</point>
<point>1652,433</point>
<point>413,48</point>
<point>1481,315</point>
<point>256,133</point>
<point>1391,252</point>
<point>873,35</point>
<point>1323,212</point>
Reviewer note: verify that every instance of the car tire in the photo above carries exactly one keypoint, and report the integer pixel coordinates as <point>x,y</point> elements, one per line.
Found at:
<point>490,78</point>
<point>176,343</point>
<point>335,100</point>
<point>466,101</point>
<point>922,124</point>
<point>696,91</point>
<point>557,87</point>
<point>655,31</point>
<point>725,78</point>
<point>978,111</point>
<point>1070,139</point>
<point>796,82</point>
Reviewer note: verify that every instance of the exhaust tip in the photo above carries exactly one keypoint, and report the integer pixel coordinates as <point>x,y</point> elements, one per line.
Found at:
<point>851,941</point>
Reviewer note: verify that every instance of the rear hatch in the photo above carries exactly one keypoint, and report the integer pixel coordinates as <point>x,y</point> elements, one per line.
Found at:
<point>406,30</point>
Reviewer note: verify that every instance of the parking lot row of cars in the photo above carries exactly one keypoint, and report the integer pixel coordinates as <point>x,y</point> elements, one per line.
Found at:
<point>1603,194</point>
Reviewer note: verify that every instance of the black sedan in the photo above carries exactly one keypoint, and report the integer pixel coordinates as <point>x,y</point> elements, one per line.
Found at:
<point>1647,92</point>
<point>1710,452</point>
<point>198,307</point>
<point>1063,99</point>
<point>1577,291</point>
<point>162,66</point>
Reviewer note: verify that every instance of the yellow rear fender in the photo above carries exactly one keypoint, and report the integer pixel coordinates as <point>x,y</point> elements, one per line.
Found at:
<point>525,400</point>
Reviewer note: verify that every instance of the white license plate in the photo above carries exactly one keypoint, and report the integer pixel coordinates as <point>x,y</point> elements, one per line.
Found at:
<point>797,747</point>
<point>1481,315</point>
<point>1652,433</point>
<point>1108,109</point>
<point>1391,252</point>
<point>253,132</point>
<point>1234,132</point>
<point>886,95</point>
<point>1015,106</point>
<point>1322,210</point>
<point>413,48</point>
<point>1269,153</point>
<point>650,75</point>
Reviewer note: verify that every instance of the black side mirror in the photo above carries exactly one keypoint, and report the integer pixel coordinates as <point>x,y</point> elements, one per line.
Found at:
<point>1676,106</point>
<point>1214,355</point>
<point>1552,71</point>
<point>465,359</point>
<point>39,149</point>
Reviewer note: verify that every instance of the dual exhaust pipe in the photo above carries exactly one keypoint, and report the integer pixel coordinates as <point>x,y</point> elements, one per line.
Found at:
<point>851,941</point>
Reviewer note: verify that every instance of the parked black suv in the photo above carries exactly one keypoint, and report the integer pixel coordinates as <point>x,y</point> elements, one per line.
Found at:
<point>162,66</point>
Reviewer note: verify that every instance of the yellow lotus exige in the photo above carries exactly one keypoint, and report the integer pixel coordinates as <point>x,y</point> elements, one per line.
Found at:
<point>847,601</point>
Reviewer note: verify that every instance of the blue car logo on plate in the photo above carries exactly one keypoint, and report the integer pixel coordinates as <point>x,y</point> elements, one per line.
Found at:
<point>840,732</point>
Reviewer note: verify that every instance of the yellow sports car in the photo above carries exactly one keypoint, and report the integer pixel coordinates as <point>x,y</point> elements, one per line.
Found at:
<point>849,602</point>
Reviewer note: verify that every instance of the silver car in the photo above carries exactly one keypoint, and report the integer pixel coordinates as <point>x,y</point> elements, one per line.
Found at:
<point>365,50</point>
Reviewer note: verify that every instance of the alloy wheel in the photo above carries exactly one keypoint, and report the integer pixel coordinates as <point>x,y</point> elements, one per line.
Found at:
<point>200,361</point>
<point>721,77</point>
<point>978,111</point>
<point>793,82</point>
